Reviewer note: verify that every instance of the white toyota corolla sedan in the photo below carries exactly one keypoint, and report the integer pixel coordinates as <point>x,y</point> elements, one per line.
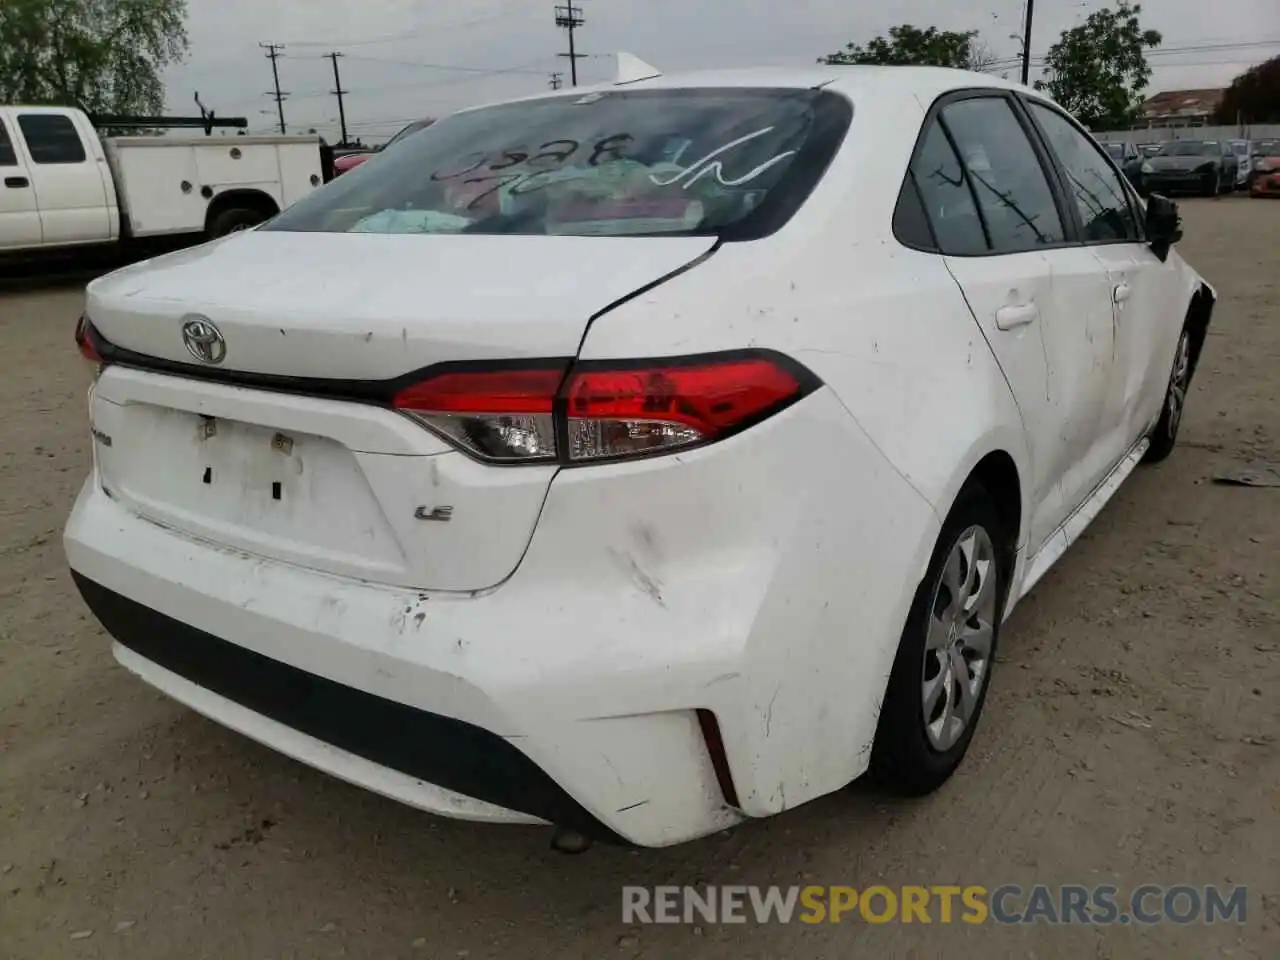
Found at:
<point>640,459</point>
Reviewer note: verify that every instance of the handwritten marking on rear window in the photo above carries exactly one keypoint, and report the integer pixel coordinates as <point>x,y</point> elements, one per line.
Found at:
<point>715,167</point>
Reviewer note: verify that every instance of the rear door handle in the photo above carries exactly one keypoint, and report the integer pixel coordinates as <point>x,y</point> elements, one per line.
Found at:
<point>1120,293</point>
<point>1016,315</point>
<point>17,183</point>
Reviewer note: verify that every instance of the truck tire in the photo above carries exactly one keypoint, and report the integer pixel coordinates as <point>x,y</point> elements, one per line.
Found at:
<point>234,220</point>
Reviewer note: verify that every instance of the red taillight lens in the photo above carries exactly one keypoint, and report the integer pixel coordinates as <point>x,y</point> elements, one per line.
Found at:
<point>620,412</point>
<point>517,390</point>
<point>606,410</point>
<point>497,414</point>
<point>84,341</point>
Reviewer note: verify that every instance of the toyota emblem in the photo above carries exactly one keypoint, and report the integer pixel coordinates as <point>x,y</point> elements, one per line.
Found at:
<point>204,340</point>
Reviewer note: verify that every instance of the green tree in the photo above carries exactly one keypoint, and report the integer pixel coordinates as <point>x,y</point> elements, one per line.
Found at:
<point>909,45</point>
<point>104,56</point>
<point>1254,96</point>
<point>1099,69</point>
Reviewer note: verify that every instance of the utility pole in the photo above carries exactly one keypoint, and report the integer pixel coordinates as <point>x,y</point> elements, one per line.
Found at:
<point>274,53</point>
<point>556,81</point>
<point>570,17</point>
<point>1026,42</point>
<point>338,91</point>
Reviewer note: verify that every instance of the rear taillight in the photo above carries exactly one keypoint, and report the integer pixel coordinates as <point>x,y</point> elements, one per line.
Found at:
<point>621,412</point>
<point>497,414</point>
<point>603,410</point>
<point>84,341</point>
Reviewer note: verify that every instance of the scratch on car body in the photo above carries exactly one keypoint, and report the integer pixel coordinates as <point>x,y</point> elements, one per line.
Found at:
<point>647,583</point>
<point>722,678</point>
<point>768,712</point>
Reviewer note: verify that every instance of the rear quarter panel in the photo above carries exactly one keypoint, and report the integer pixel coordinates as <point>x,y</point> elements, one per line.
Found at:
<point>885,327</point>
<point>890,334</point>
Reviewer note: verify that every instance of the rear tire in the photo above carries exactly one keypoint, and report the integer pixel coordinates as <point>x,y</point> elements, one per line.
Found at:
<point>234,220</point>
<point>1164,434</point>
<point>944,661</point>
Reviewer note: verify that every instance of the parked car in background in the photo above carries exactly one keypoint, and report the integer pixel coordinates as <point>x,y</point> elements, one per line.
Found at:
<point>353,160</point>
<point>1264,177</point>
<point>1128,159</point>
<point>1243,150</point>
<point>683,472</point>
<point>1149,149</point>
<point>1206,167</point>
<point>62,186</point>
<point>350,160</point>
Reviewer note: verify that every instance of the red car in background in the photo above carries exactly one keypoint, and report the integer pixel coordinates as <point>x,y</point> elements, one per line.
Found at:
<point>1265,175</point>
<point>350,161</point>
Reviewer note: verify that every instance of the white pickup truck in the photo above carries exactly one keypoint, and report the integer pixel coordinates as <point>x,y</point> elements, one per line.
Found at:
<point>62,186</point>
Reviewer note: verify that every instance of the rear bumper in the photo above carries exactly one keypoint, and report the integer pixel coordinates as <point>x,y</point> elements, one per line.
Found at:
<point>466,762</point>
<point>726,580</point>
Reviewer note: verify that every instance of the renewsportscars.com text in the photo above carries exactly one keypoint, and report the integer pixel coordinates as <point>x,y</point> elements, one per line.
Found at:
<point>1005,904</point>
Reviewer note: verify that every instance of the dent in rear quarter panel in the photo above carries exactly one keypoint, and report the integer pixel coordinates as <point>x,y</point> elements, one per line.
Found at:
<point>768,576</point>
<point>914,399</point>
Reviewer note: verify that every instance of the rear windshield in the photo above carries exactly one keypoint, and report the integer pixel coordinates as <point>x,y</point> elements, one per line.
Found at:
<point>733,163</point>
<point>1189,148</point>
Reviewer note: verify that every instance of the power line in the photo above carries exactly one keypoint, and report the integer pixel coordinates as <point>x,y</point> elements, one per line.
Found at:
<point>339,92</point>
<point>1037,61</point>
<point>1211,47</point>
<point>273,54</point>
<point>446,66</point>
<point>570,17</point>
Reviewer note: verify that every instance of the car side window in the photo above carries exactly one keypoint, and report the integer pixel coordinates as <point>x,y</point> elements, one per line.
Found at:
<point>1099,194</point>
<point>945,195</point>
<point>8,158</point>
<point>1013,192</point>
<point>51,138</point>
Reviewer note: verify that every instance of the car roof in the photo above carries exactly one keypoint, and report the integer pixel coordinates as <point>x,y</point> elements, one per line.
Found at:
<point>854,81</point>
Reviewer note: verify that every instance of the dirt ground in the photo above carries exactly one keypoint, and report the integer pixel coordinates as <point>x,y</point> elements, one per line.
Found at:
<point>1130,737</point>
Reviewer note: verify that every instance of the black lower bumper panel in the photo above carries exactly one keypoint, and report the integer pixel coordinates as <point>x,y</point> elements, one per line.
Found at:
<point>440,750</point>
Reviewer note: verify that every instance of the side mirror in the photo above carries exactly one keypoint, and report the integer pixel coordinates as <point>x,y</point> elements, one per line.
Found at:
<point>1164,224</point>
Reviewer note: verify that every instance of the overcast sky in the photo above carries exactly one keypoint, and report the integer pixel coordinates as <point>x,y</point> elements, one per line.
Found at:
<point>397,52</point>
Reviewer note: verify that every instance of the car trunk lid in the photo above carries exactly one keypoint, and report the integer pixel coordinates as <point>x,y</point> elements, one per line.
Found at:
<point>369,306</point>
<point>283,449</point>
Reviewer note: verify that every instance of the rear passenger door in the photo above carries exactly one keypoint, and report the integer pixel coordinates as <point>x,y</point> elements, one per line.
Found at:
<point>1147,323</point>
<point>1040,299</point>
<point>68,184</point>
<point>19,218</point>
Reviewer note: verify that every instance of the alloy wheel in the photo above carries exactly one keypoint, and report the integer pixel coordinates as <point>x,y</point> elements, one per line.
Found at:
<point>958,641</point>
<point>1179,380</point>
